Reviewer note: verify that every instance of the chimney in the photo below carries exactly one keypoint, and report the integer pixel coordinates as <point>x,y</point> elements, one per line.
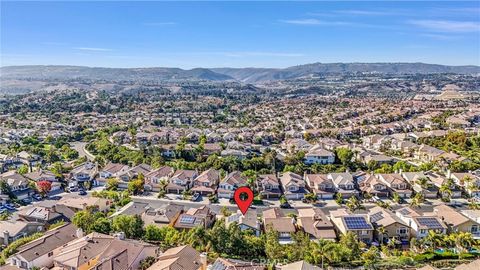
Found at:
<point>203,261</point>
<point>6,236</point>
<point>79,233</point>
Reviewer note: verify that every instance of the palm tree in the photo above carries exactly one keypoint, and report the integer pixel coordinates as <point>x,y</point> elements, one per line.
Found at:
<point>463,240</point>
<point>354,204</point>
<point>417,200</point>
<point>433,240</point>
<point>445,192</point>
<point>381,233</point>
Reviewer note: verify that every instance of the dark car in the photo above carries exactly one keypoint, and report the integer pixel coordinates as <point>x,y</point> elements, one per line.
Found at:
<point>285,206</point>
<point>195,197</point>
<point>27,200</point>
<point>82,192</point>
<point>37,197</point>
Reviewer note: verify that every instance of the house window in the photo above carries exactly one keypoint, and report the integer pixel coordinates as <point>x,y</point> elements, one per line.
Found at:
<point>423,231</point>
<point>474,229</point>
<point>363,232</point>
<point>50,254</point>
<point>402,230</point>
<point>292,188</point>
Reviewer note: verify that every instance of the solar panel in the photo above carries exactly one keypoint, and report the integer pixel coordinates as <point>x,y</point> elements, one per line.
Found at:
<point>187,219</point>
<point>404,211</point>
<point>376,217</point>
<point>357,223</point>
<point>430,222</point>
<point>233,218</point>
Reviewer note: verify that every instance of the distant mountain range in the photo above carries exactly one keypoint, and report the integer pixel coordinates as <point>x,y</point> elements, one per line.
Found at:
<point>248,75</point>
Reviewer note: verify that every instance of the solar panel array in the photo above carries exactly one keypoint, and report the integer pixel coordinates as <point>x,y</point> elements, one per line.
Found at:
<point>430,222</point>
<point>404,211</point>
<point>187,219</point>
<point>357,223</point>
<point>376,217</point>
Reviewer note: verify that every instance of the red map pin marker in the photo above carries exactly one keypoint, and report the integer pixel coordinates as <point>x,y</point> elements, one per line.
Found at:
<point>243,197</point>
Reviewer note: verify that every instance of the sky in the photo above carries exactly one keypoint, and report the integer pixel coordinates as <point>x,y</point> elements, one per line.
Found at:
<point>238,34</point>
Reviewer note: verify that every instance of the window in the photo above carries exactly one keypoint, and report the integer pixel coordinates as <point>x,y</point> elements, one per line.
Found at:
<point>50,254</point>
<point>363,232</point>
<point>423,231</point>
<point>474,229</point>
<point>402,230</point>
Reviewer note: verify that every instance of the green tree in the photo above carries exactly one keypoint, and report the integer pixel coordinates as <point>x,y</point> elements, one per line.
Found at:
<point>84,220</point>
<point>102,225</point>
<point>345,155</point>
<point>353,204</point>
<point>132,226</point>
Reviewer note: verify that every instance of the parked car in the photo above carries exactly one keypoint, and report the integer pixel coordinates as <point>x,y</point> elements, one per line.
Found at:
<point>37,197</point>
<point>27,200</point>
<point>82,192</point>
<point>285,205</point>
<point>9,207</point>
<point>195,197</point>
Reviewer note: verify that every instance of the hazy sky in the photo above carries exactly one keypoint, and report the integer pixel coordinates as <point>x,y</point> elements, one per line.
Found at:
<point>238,34</point>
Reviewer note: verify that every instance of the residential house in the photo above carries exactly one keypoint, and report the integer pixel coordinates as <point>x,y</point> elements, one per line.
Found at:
<point>319,156</point>
<point>82,173</point>
<point>44,175</point>
<point>83,203</point>
<point>132,173</point>
<point>388,226</point>
<point>13,230</point>
<point>101,251</point>
<point>232,264</point>
<point>239,154</point>
<point>195,217</point>
<point>439,180</point>
<point>206,183</point>
<point>112,170</point>
<point>420,225</point>
<point>182,257</point>
<point>42,214</point>
<point>468,181</point>
<point>293,186</point>
<point>166,215</point>
<point>321,185</point>
<point>249,221</point>
<point>230,183</point>
<point>275,219</point>
<point>355,223</point>
<point>268,186</point>
<point>374,186</point>
<point>456,221</point>
<point>316,224</point>
<point>396,184</point>
<point>344,184</point>
<point>41,251</point>
<point>421,184</point>
<point>18,184</point>
<point>154,179</point>
<point>181,180</point>
<point>428,153</point>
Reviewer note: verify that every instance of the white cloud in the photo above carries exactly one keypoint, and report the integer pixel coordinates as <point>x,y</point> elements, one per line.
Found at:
<point>92,49</point>
<point>447,26</point>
